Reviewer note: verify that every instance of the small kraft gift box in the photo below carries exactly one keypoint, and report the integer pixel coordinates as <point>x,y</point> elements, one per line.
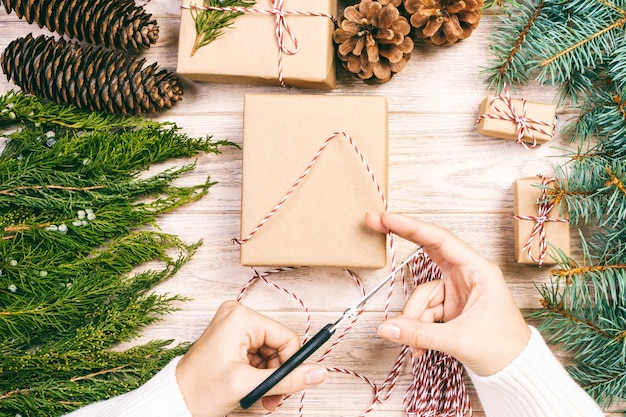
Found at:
<point>538,221</point>
<point>250,52</point>
<point>526,122</point>
<point>313,165</point>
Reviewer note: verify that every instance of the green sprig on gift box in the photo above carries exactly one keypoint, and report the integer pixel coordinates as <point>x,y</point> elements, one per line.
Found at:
<point>210,24</point>
<point>75,223</point>
<point>579,46</point>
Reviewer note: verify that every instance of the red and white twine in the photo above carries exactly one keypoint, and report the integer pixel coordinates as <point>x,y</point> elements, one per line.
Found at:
<point>525,125</point>
<point>304,174</point>
<point>436,387</point>
<point>544,206</point>
<point>281,27</point>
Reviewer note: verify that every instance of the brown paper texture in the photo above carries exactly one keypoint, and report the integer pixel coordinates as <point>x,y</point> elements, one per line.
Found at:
<point>525,195</point>
<point>322,223</point>
<point>506,129</point>
<point>247,51</point>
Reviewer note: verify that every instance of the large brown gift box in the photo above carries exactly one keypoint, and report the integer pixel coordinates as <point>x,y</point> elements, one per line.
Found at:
<point>526,195</point>
<point>507,129</point>
<point>322,222</point>
<point>247,51</point>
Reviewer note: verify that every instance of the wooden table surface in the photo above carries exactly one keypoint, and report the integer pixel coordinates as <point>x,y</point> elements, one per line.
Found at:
<point>440,170</point>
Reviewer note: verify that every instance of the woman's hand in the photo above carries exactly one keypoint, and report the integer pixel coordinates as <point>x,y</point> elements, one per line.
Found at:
<point>238,350</point>
<point>480,325</point>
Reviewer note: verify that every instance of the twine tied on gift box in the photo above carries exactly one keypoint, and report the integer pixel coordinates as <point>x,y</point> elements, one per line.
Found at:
<point>282,26</point>
<point>304,174</point>
<point>525,125</point>
<point>436,387</point>
<point>544,206</point>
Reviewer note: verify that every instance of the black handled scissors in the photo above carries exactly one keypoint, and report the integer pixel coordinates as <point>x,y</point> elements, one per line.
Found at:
<point>316,342</point>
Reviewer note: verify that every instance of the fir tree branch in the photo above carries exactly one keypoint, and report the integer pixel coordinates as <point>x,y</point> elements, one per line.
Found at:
<point>579,46</point>
<point>519,42</point>
<point>511,45</point>
<point>615,25</point>
<point>567,273</point>
<point>560,311</point>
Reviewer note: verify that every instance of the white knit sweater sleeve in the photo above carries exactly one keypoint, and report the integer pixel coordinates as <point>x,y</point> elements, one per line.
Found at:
<point>535,384</point>
<point>159,397</point>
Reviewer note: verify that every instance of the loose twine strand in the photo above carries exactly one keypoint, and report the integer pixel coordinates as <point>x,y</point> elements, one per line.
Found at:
<point>524,125</point>
<point>544,206</point>
<point>436,387</point>
<point>281,27</point>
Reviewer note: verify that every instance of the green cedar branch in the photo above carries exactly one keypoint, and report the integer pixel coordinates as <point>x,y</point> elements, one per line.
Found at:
<point>210,24</point>
<point>79,257</point>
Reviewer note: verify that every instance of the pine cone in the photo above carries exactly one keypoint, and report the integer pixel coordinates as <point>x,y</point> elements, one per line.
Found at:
<point>90,77</point>
<point>444,22</point>
<point>373,40</point>
<point>117,24</point>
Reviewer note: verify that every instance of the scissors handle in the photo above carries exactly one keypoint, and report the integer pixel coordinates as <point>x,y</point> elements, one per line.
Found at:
<point>289,365</point>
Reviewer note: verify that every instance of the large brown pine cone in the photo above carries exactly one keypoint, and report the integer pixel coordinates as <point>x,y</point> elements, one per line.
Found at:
<point>373,40</point>
<point>117,24</point>
<point>91,77</point>
<point>444,22</point>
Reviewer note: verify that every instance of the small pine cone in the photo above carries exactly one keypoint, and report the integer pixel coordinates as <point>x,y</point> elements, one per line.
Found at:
<point>91,77</point>
<point>373,40</point>
<point>444,22</point>
<point>116,24</point>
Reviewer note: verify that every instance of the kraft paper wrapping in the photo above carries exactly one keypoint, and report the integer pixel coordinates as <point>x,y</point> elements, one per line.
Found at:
<point>322,223</point>
<point>507,129</point>
<point>247,51</point>
<point>526,194</point>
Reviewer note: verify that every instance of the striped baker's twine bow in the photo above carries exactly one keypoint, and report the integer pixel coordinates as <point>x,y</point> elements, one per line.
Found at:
<point>544,206</point>
<point>304,174</point>
<point>282,26</point>
<point>525,125</point>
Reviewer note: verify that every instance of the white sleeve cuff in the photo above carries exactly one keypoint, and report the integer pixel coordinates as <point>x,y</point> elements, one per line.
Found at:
<point>535,384</point>
<point>159,397</point>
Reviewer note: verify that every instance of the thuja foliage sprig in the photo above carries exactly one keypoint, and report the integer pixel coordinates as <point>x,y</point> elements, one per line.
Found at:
<point>75,220</point>
<point>19,108</point>
<point>210,24</point>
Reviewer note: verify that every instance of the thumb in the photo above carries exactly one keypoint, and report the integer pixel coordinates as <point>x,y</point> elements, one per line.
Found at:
<point>302,377</point>
<point>421,335</point>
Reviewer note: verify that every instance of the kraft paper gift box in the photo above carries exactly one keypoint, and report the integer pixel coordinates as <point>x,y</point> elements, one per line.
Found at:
<point>247,51</point>
<point>527,194</point>
<point>507,129</point>
<point>322,222</point>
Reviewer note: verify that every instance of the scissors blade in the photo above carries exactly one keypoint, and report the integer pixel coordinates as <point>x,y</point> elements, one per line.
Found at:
<point>352,310</point>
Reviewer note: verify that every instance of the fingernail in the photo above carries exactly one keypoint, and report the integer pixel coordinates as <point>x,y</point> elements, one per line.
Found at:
<point>389,331</point>
<point>315,376</point>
